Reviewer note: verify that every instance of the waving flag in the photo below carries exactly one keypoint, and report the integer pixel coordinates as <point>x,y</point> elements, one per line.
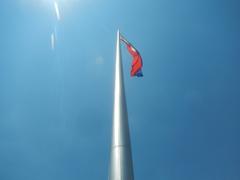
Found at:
<point>137,59</point>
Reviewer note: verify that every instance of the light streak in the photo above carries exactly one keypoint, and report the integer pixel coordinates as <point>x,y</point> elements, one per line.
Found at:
<point>57,10</point>
<point>53,41</point>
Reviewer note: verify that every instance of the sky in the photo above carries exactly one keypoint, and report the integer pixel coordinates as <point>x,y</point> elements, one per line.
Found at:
<point>56,88</point>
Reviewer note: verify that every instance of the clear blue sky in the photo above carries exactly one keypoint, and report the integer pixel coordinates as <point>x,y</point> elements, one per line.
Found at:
<point>56,105</point>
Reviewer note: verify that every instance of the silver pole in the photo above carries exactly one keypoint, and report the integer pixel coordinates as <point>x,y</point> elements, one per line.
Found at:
<point>121,166</point>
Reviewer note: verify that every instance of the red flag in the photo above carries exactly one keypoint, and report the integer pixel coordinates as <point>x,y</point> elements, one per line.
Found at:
<point>137,59</point>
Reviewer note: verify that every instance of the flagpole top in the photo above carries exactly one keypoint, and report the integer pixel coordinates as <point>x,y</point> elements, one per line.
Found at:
<point>118,34</point>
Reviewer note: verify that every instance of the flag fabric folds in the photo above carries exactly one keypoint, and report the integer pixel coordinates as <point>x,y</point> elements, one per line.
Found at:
<point>137,59</point>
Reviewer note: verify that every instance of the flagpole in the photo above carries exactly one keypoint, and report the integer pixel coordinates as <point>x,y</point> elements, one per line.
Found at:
<point>121,166</point>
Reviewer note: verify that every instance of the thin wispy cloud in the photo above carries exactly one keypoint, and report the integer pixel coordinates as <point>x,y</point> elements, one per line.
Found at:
<point>57,10</point>
<point>52,41</point>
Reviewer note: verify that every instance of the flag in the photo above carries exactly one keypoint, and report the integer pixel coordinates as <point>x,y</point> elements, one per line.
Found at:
<point>137,59</point>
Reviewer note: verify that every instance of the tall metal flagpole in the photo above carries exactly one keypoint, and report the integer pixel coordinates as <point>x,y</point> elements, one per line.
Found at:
<point>121,166</point>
